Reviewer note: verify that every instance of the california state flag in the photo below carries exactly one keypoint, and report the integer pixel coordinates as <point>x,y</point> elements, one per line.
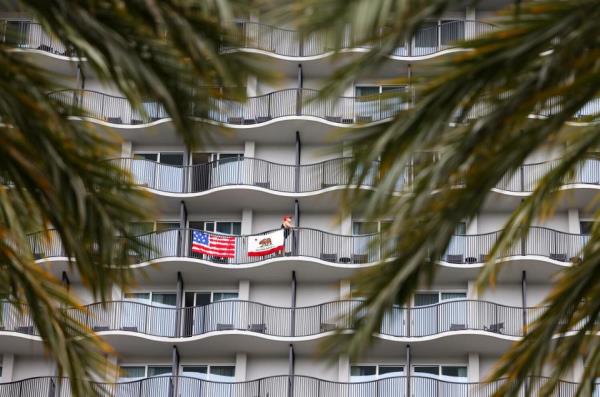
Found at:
<point>265,244</point>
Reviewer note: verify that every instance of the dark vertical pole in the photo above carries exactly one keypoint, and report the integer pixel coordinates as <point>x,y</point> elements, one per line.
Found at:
<point>174,372</point>
<point>410,87</point>
<point>296,231</point>
<point>291,367</point>
<point>408,375</point>
<point>524,300</point>
<point>298,154</point>
<point>300,86</point>
<point>293,319</point>
<point>66,281</point>
<point>178,304</point>
<point>185,175</point>
<point>183,233</point>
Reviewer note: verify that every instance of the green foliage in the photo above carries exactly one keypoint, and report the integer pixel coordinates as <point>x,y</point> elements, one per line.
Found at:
<point>543,56</point>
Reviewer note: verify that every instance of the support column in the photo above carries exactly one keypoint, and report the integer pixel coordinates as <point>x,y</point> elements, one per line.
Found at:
<point>472,292</point>
<point>578,369</point>
<point>472,225</point>
<point>178,304</point>
<point>524,300</point>
<point>344,368</point>
<point>345,289</point>
<point>244,290</point>
<point>112,369</point>
<point>573,220</point>
<point>116,293</point>
<point>8,363</point>
<point>241,363</point>
<point>298,160</point>
<point>408,369</point>
<point>346,225</point>
<point>473,368</point>
<point>249,149</point>
<point>183,233</point>
<point>247,215</point>
<point>251,86</point>
<point>126,149</point>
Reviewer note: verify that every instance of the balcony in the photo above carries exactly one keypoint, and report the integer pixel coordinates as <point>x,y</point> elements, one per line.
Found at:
<point>247,172</point>
<point>327,247</point>
<point>28,35</point>
<point>275,40</point>
<point>399,323</point>
<point>293,44</point>
<point>278,386</point>
<point>291,102</point>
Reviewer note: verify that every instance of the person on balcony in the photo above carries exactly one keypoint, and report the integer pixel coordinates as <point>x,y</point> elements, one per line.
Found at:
<point>287,225</point>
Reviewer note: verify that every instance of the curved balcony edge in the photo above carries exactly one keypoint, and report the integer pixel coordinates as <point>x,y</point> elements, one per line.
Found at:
<point>239,317</point>
<point>308,386</point>
<point>553,246</point>
<point>317,178</point>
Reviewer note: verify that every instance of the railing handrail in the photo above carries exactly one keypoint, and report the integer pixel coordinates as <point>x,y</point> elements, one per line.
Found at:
<point>328,233</point>
<point>287,376</point>
<point>241,100</point>
<point>241,158</point>
<point>318,305</point>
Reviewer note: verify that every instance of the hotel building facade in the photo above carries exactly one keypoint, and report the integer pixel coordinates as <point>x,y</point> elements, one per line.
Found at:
<point>201,325</point>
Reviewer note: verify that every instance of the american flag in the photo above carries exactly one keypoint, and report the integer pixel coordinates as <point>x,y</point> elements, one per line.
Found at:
<point>213,244</point>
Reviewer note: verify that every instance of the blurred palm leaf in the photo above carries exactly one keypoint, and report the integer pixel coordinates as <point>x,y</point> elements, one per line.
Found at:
<point>474,111</point>
<point>53,170</point>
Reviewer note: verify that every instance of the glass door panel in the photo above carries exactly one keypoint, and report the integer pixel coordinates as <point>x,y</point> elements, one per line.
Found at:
<point>424,315</point>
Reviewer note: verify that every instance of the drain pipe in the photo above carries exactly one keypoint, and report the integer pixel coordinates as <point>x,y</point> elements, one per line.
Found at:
<point>181,241</point>
<point>178,304</point>
<point>524,300</point>
<point>293,319</point>
<point>173,391</point>
<point>408,375</point>
<point>296,231</point>
<point>300,86</point>
<point>298,153</point>
<point>291,370</point>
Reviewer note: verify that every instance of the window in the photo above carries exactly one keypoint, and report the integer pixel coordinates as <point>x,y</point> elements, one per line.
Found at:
<point>169,158</point>
<point>16,32</point>
<point>431,298</point>
<point>222,373</point>
<point>443,371</point>
<point>369,90</point>
<point>585,227</point>
<point>369,227</point>
<point>231,228</point>
<point>139,228</point>
<point>128,372</point>
<point>163,299</point>
<point>362,373</point>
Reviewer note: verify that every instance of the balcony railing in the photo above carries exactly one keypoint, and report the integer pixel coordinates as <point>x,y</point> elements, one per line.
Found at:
<point>246,171</point>
<point>291,102</point>
<point>31,35</point>
<point>292,43</point>
<point>254,110</point>
<point>342,249</point>
<point>308,178</point>
<point>279,386</point>
<point>257,318</point>
<point>526,177</point>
